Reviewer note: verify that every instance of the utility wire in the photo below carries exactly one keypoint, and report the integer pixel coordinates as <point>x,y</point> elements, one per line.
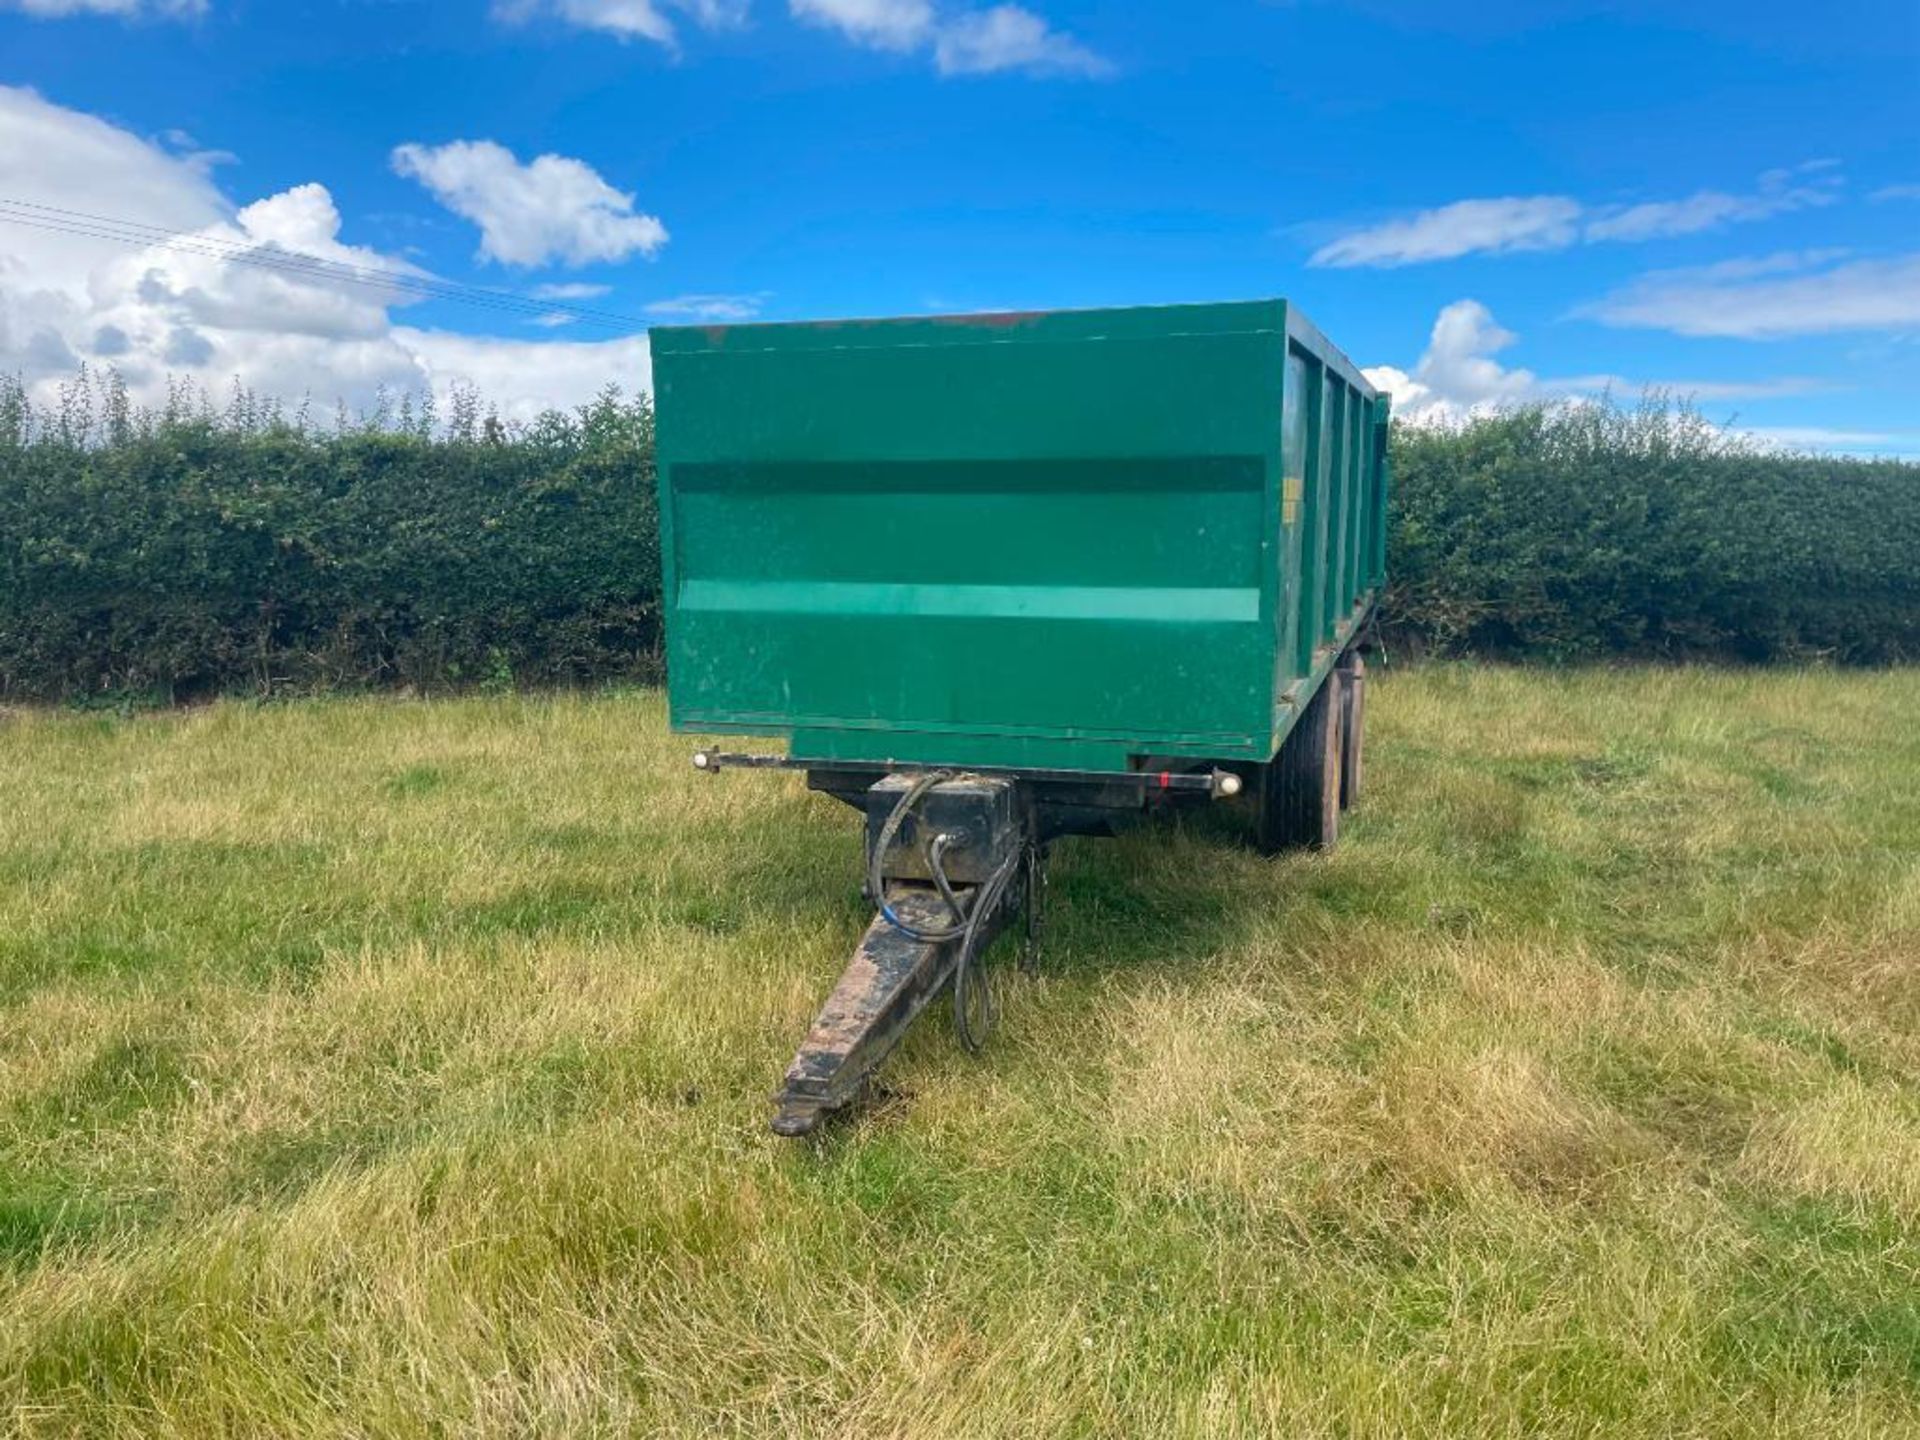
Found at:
<point>313,268</point>
<point>269,257</point>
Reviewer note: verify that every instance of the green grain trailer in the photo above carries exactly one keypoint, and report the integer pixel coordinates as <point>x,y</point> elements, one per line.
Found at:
<point>1001,578</point>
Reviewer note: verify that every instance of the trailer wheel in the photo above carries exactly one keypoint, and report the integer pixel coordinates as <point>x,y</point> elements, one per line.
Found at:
<point>1300,789</point>
<point>1353,727</point>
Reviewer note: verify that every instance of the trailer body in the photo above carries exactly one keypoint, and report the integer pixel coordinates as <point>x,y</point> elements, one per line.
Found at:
<point>1079,541</point>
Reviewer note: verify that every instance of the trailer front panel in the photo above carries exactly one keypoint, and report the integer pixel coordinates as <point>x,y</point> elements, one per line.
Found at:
<point>1074,540</point>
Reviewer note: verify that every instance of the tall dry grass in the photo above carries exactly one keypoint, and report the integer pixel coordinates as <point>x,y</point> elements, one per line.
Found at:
<point>384,1067</point>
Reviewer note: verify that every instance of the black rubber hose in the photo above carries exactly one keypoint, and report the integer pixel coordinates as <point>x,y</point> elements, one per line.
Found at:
<point>967,971</point>
<point>968,919</point>
<point>936,853</point>
<point>876,882</point>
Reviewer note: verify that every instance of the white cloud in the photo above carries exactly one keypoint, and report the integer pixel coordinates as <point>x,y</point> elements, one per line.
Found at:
<point>1783,387</point>
<point>1807,293</point>
<point>720,309</point>
<point>1779,262</point>
<point>553,208</point>
<point>1539,222</point>
<point>627,19</point>
<point>197,288</point>
<point>1557,222</point>
<point>883,24</point>
<point>524,377</point>
<point>570,290</point>
<point>129,9</point>
<point>185,309</point>
<point>1895,192</point>
<point>1816,437</point>
<point>59,157</point>
<point>1779,192</point>
<point>1459,377</point>
<point>1010,38</point>
<point>962,41</point>
<point>966,42</point>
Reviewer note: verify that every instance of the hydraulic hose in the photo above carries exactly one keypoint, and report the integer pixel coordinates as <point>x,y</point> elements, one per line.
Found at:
<point>876,881</point>
<point>967,918</point>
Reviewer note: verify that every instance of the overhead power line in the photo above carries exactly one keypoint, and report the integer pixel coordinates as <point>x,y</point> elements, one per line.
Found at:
<point>406,284</point>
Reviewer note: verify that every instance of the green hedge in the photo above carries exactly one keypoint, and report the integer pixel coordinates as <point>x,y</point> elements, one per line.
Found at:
<point>187,552</point>
<point>191,551</point>
<point>1580,531</point>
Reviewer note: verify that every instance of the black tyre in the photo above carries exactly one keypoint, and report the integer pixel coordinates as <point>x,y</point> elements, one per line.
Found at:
<point>1300,789</point>
<point>1353,727</point>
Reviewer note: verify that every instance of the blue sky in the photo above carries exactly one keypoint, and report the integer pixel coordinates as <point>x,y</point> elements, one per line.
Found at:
<point>1498,201</point>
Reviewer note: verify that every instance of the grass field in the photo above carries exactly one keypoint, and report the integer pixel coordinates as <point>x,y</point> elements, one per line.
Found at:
<point>374,1067</point>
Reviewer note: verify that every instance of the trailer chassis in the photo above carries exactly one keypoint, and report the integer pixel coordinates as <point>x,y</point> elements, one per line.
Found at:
<point>954,859</point>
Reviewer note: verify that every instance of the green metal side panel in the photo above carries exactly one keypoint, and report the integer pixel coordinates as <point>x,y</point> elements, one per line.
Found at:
<point>1047,540</point>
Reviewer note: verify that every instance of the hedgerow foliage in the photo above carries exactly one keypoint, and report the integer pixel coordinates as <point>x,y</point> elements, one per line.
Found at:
<point>188,550</point>
<point>164,554</point>
<point>1578,531</point>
